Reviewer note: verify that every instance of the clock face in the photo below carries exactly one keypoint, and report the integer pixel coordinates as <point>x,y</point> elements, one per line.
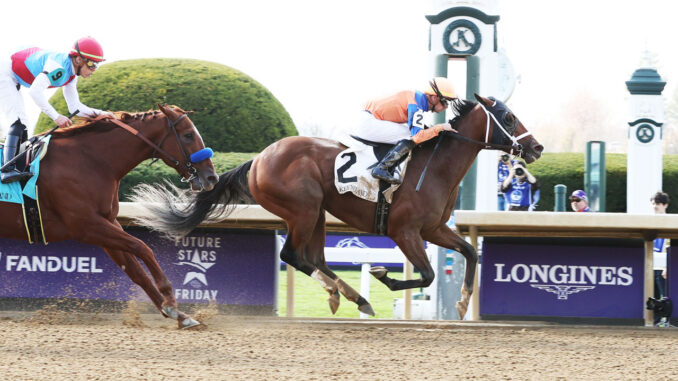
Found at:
<point>462,37</point>
<point>645,133</point>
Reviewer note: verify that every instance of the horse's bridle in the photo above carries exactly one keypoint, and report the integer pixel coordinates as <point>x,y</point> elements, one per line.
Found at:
<point>202,154</point>
<point>506,132</point>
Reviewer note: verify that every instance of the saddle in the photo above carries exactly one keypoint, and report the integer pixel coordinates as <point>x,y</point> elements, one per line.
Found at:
<point>25,192</point>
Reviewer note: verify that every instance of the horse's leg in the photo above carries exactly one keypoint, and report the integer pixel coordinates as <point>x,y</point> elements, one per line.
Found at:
<point>316,254</point>
<point>412,245</point>
<point>297,200</point>
<point>109,235</point>
<point>129,264</point>
<point>294,253</point>
<point>445,237</point>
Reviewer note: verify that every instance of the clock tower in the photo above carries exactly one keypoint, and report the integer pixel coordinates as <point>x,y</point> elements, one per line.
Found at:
<point>644,157</point>
<point>466,30</point>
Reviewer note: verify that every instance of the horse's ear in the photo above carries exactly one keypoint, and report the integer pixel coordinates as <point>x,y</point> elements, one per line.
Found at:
<point>166,110</point>
<point>482,100</point>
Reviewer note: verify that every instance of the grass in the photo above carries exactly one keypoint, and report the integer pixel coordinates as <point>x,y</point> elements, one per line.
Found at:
<point>310,300</point>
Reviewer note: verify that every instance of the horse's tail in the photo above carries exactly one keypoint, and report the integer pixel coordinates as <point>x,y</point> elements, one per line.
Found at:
<point>176,212</point>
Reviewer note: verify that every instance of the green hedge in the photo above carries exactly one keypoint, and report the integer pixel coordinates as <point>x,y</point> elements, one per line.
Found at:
<point>233,112</point>
<point>568,169</point>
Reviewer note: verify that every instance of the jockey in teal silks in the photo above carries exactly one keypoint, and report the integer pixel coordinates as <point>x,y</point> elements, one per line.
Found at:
<point>38,70</point>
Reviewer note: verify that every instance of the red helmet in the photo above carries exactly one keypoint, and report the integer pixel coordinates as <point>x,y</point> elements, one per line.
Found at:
<point>88,48</point>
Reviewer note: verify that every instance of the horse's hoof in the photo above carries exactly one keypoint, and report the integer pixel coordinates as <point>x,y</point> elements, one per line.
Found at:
<point>334,302</point>
<point>189,322</point>
<point>378,271</point>
<point>170,312</point>
<point>366,309</point>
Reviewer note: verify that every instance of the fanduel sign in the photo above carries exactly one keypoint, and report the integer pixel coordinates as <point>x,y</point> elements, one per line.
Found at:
<point>36,263</point>
<point>231,267</point>
<point>561,280</point>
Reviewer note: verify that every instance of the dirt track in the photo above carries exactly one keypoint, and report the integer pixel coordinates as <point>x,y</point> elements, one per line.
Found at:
<point>124,347</point>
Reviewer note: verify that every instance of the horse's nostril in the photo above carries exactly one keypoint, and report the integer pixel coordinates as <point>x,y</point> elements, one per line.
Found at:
<point>213,179</point>
<point>539,148</point>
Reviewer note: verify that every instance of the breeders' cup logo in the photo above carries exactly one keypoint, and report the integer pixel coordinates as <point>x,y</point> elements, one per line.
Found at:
<point>563,280</point>
<point>197,256</point>
<point>351,242</point>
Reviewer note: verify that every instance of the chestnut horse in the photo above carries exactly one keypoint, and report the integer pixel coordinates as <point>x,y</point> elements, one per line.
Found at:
<point>294,179</point>
<point>78,188</point>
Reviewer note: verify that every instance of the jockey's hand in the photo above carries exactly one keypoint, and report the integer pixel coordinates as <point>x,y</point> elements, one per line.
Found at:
<point>445,127</point>
<point>62,121</point>
<point>106,115</point>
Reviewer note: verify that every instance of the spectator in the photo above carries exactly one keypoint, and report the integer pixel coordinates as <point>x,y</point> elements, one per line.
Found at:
<point>660,202</point>
<point>579,201</point>
<point>520,187</point>
<point>503,169</point>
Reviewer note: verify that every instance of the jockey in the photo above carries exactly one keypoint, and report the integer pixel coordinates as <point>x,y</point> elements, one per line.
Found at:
<point>38,70</point>
<point>398,119</point>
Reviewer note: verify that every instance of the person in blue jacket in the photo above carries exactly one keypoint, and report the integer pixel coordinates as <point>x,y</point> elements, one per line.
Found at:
<point>520,187</point>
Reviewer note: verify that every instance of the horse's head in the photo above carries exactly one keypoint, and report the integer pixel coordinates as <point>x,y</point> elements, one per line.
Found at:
<point>184,143</point>
<point>508,131</point>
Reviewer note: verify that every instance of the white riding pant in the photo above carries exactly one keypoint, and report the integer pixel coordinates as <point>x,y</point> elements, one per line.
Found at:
<point>11,102</point>
<point>382,131</point>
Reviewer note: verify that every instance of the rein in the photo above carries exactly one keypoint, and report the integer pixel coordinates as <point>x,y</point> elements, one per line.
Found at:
<point>486,144</point>
<point>172,125</point>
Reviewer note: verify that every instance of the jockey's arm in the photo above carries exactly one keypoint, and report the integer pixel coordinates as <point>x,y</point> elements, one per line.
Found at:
<point>73,101</point>
<point>429,133</point>
<point>37,92</point>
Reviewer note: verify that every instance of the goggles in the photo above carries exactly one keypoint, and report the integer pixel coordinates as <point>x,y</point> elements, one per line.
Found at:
<point>92,65</point>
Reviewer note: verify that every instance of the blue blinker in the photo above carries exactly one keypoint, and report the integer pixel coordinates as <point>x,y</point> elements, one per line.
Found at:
<point>203,154</point>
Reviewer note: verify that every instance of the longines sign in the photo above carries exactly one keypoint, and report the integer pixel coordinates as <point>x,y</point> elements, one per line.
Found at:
<point>561,280</point>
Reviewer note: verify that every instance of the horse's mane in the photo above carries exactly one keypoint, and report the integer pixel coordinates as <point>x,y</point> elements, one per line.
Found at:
<point>461,108</point>
<point>103,125</point>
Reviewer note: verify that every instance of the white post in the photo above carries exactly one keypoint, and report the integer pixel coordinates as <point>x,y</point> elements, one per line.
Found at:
<point>644,158</point>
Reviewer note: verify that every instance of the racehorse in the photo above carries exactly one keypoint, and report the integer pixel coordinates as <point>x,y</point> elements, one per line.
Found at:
<point>79,180</point>
<point>294,179</point>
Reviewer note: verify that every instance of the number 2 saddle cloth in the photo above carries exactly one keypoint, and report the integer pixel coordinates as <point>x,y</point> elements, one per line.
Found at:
<point>353,169</point>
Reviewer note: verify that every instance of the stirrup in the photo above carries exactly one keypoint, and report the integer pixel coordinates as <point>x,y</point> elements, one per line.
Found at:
<point>378,173</point>
<point>14,175</point>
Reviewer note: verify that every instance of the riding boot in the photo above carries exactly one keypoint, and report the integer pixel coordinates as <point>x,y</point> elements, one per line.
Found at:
<point>384,170</point>
<point>11,174</point>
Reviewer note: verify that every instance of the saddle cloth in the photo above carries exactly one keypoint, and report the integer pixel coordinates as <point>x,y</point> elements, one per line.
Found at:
<point>13,192</point>
<point>353,167</point>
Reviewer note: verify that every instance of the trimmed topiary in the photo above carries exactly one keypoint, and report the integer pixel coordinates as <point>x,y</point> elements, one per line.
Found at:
<point>233,112</point>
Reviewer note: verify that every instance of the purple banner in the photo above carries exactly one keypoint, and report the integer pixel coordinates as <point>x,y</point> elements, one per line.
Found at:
<point>561,280</point>
<point>230,267</point>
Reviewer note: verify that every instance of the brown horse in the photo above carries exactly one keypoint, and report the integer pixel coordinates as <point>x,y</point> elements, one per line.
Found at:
<point>78,189</point>
<point>294,179</point>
